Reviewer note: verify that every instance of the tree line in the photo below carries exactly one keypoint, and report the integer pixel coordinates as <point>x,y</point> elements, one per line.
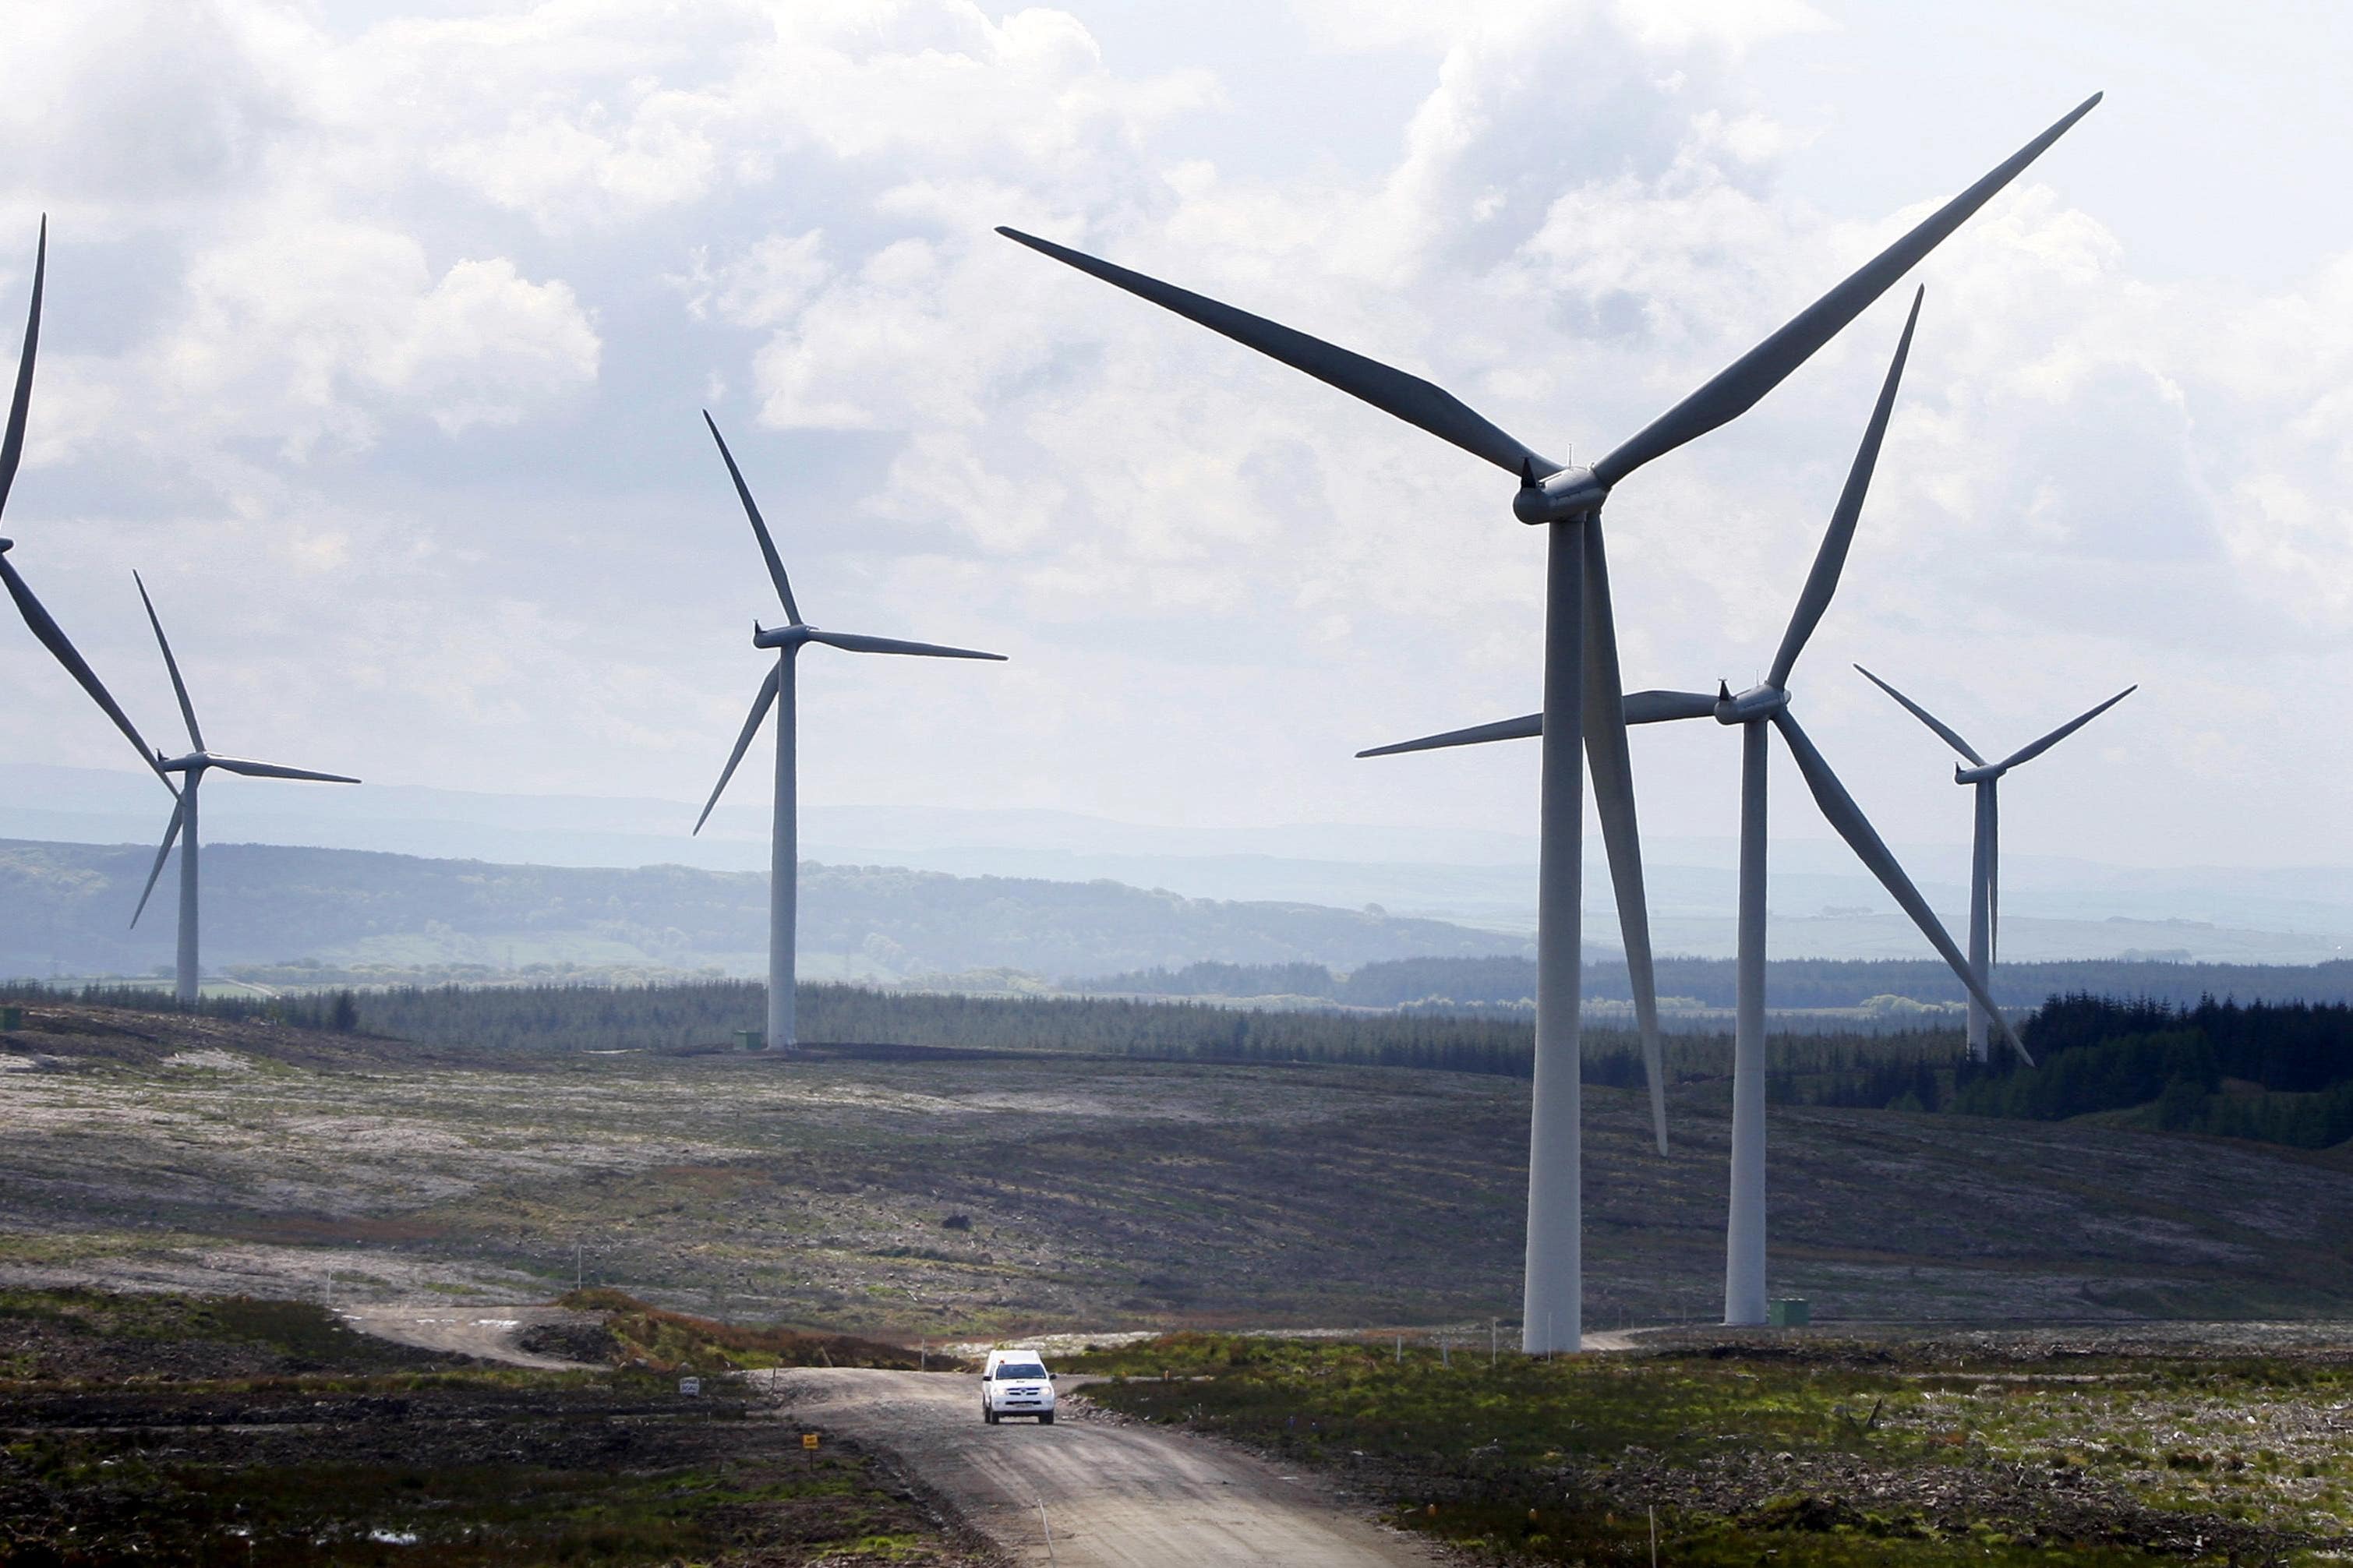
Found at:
<point>1486,982</point>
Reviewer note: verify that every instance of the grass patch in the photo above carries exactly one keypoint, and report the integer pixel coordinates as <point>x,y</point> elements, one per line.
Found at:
<point>1812,1452</point>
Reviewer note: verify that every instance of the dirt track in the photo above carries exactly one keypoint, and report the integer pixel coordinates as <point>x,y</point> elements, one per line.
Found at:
<point>487,1332</point>
<point>1113,1493</point>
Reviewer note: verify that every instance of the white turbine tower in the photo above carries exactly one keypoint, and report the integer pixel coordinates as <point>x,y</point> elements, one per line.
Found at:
<point>1752,711</point>
<point>193,768</point>
<point>1582,688</point>
<point>784,850</point>
<point>1985,850</point>
<point>44,626</point>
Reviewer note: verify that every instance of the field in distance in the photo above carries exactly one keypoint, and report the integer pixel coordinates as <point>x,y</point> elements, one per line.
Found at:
<point>976,1193</point>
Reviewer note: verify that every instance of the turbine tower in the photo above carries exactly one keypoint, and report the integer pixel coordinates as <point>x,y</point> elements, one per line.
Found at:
<point>1752,712</point>
<point>193,768</point>
<point>1582,698</point>
<point>778,687</point>
<point>1985,849</point>
<point>44,626</point>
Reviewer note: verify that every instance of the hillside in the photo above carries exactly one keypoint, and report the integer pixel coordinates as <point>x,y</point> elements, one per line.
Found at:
<point>66,907</point>
<point>974,1193</point>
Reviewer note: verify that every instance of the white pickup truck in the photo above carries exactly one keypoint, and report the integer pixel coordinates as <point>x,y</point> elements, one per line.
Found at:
<point>1016,1383</point>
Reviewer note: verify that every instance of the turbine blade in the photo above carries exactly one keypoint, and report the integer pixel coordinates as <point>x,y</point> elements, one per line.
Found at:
<point>275,771</point>
<point>1737,387</point>
<point>2028,753</point>
<point>1660,706</point>
<point>53,638</point>
<point>1837,807</point>
<point>744,742</point>
<point>171,832</point>
<point>759,525</point>
<point>1822,581</point>
<point>854,643</point>
<point>1943,730</point>
<point>1612,766</point>
<point>1392,391</point>
<point>1525,727</point>
<point>179,687</point>
<point>12,447</point>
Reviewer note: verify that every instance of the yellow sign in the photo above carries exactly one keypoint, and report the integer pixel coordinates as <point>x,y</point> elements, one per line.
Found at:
<point>808,1439</point>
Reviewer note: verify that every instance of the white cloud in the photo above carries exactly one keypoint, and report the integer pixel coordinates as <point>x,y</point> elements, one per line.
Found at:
<point>312,331</point>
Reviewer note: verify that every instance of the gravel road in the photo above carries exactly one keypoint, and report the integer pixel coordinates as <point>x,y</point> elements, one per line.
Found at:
<point>1108,1492</point>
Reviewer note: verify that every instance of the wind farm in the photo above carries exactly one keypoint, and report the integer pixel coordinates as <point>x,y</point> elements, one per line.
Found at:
<point>1751,711</point>
<point>1583,716</point>
<point>538,1154</point>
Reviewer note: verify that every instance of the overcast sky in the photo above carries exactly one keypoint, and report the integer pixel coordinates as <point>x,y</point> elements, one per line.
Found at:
<point>376,333</point>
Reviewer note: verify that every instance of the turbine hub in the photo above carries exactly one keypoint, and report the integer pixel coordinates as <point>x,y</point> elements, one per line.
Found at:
<point>6,545</point>
<point>1756,702</point>
<point>1562,496</point>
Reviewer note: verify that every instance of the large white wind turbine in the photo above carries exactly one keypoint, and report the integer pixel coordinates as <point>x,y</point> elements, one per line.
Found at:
<point>1752,711</point>
<point>1581,689</point>
<point>784,850</point>
<point>37,617</point>
<point>1985,850</point>
<point>182,825</point>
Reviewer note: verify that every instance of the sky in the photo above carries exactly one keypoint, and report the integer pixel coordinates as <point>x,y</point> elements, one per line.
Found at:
<point>377,337</point>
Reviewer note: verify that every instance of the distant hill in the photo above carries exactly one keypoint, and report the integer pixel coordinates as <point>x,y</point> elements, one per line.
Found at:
<point>1790,983</point>
<point>65,908</point>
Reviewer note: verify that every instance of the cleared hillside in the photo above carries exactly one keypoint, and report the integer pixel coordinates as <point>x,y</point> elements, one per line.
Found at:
<point>978,1192</point>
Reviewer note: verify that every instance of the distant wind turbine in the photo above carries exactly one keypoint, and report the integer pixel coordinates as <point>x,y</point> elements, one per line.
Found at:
<point>12,451</point>
<point>192,767</point>
<point>1985,851</point>
<point>1582,688</point>
<point>784,850</point>
<point>1752,711</point>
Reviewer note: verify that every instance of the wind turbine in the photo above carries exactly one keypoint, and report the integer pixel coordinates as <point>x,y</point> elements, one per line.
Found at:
<point>193,768</point>
<point>1581,686</point>
<point>778,687</point>
<point>1752,711</point>
<point>1985,850</point>
<point>36,616</point>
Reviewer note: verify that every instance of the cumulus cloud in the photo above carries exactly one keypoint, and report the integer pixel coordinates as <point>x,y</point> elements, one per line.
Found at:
<point>315,331</point>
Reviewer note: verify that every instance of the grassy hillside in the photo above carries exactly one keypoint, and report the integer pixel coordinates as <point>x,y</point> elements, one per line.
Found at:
<point>70,905</point>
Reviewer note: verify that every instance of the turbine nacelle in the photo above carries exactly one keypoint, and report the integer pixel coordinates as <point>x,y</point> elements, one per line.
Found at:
<point>1986,774</point>
<point>781,636</point>
<point>6,545</point>
<point>1756,702</point>
<point>1563,495</point>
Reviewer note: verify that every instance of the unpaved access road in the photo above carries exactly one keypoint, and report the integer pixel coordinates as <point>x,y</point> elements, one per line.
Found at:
<point>1110,1493</point>
<point>488,1332</point>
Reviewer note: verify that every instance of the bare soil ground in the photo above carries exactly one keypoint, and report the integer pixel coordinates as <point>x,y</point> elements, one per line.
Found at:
<point>972,1196</point>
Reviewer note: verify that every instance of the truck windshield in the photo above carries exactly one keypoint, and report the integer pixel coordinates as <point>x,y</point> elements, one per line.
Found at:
<point>1020,1369</point>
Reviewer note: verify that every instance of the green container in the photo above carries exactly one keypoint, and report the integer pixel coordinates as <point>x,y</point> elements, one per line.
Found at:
<point>12,1018</point>
<point>1792,1314</point>
<point>748,1039</point>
